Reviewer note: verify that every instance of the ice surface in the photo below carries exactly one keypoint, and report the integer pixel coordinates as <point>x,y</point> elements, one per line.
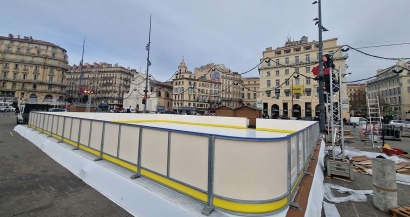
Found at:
<point>221,131</point>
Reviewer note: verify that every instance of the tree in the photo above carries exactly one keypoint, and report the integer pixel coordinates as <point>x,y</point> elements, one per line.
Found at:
<point>358,101</point>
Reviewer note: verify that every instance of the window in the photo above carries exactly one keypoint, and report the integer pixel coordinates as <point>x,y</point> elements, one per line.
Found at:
<point>249,96</point>
<point>6,66</point>
<point>277,82</point>
<point>307,57</point>
<point>317,56</point>
<point>267,74</point>
<point>254,95</point>
<point>287,60</point>
<point>408,89</point>
<point>286,71</point>
<point>268,83</point>
<point>50,87</point>
<point>269,63</point>
<point>399,99</point>
<point>287,82</point>
<point>53,55</point>
<point>307,80</point>
<point>25,68</point>
<point>5,74</point>
<point>24,76</point>
<point>308,93</point>
<point>268,93</point>
<point>296,59</point>
<point>8,48</point>
<point>307,69</point>
<point>18,50</point>
<point>3,84</point>
<point>50,80</point>
<point>277,73</point>
<point>34,86</point>
<point>15,76</point>
<point>331,53</point>
<point>297,81</point>
<point>277,62</point>
<point>35,77</point>
<point>38,52</point>
<point>36,68</point>
<point>16,66</point>
<point>13,86</point>
<point>297,70</point>
<point>287,93</point>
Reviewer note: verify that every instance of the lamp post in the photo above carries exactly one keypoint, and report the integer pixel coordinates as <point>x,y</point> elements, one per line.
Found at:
<point>148,47</point>
<point>318,20</point>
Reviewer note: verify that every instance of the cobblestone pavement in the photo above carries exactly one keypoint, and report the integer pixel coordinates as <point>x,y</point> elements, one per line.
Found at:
<point>33,184</point>
<point>364,182</point>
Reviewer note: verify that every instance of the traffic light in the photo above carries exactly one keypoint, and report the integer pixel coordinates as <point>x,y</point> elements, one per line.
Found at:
<point>143,101</point>
<point>327,81</point>
<point>85,98</point>
<point>327,61</point>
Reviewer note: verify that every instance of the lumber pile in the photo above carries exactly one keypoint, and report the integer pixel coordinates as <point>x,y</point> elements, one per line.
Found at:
<point>400,212</point>
<point>362,163</point>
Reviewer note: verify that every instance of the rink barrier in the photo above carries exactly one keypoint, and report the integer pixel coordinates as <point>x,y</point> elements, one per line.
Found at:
<point>244,176</point>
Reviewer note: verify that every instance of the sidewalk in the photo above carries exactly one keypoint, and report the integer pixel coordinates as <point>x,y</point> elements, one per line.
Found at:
<point>364,182</point>
<point>33,184</point>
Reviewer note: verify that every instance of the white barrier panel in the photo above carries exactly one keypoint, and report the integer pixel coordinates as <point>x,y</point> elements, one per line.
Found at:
<point>111,138</point>
<point>67,127</point>
<point>189,159</point>
<point>262,174</point>
<point>96,135</point>
<point>54,124</point>
<point>49,123</point>
<point>293,157</point>
<point>60,124</point>
<point>129,143</point>
<point>154,150</point>
<point>85,130</point>
<point>75,129</point>
<point>300,149</point>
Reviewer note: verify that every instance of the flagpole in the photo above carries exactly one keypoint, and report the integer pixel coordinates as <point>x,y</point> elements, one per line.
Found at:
<point>81,74</point>
<point>148,64</point>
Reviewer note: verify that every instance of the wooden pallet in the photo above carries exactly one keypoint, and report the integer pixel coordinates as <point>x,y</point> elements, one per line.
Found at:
<point>400,211</point>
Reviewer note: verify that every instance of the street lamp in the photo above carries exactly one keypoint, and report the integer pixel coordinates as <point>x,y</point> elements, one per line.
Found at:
<point>346,74</point>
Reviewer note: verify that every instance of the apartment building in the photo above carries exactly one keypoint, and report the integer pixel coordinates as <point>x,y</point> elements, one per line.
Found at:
<point>286,82</point>
<point>393,90</point>
<point>109,82</point>
<point>353,89</point>
<point>195,93</point>
<point>33,70</point>
<point>250,91</point>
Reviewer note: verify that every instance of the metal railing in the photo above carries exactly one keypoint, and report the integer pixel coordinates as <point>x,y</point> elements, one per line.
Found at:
<point>198,165</point>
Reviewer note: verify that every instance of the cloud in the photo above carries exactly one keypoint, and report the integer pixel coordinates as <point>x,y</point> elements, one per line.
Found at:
<point>230,32</point>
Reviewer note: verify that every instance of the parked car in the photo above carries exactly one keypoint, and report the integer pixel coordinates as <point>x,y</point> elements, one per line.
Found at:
<point>3,108</point>
<point>11,108</point>
<point>358,121</point>
<point>284,117</point>
<point>400,123</point>
<point>307,119</point>
<point>57,110</point>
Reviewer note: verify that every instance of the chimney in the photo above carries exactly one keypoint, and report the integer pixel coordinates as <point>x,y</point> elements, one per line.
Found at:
<point>269,49</point>
<point>31,39</point>
<point>10,35</point>
<point>18,36</point>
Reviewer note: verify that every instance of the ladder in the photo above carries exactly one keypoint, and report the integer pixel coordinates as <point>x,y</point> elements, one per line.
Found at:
<point>375,122</point>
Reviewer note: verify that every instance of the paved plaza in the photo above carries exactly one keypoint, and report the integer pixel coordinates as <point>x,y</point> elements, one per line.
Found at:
<point>33,184</point>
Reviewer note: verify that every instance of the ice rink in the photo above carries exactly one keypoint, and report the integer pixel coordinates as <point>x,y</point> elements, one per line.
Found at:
<point>220,131</point>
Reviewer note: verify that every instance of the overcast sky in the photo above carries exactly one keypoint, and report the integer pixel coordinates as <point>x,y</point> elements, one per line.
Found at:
<point>230,32</point>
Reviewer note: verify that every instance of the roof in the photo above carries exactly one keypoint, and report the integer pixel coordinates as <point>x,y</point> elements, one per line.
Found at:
<point>31,41</point>
<point>227,106</point>
<point>252,107</point>
<point>84,105</point>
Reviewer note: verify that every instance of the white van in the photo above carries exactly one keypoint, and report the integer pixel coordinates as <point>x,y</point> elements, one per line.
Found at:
<point>358,121</point>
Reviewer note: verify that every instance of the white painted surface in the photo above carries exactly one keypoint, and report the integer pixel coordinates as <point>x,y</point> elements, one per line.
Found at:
<point>243,133</point>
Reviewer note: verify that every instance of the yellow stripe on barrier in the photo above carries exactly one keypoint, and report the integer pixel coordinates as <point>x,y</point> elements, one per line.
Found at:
<point>276,130</point>
<point>249,207</point>
<point>120,162</point>
<point>175,185</point>
<point>181,122</point>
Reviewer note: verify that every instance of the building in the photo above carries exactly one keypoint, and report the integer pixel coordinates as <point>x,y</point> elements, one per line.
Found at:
<point>286,82</point>
<point>33,70</point>
<point>250,91</point>
<point>107,81</point>
<point>393,90</point>
<point>159,94</point>
<point>195,93</point>
<point>206,89</point>
<point>353,89</point>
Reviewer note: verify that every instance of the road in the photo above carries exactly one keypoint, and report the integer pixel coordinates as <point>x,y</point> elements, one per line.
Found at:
<point>33,184</point>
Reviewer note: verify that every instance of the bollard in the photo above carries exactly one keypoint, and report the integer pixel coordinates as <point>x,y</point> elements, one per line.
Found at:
<point>384,184</point>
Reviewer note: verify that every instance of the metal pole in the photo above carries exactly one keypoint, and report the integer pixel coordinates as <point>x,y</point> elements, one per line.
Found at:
<point>148,64</point>
<point>342,141</point>
<point>322,121</point>
<point>81,73</point>
<point>332,120</point>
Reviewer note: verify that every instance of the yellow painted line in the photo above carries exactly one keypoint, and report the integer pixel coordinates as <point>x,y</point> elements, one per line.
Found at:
<point>175,185</point>
<point>276,130</point>
<point>89,150</point>
<point>120,162</point>
<point>181,122</point>
<point>249,208</point>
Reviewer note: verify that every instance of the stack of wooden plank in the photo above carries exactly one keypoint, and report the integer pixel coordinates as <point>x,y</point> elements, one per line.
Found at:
<point>400,211</point>
<point>362,163</point>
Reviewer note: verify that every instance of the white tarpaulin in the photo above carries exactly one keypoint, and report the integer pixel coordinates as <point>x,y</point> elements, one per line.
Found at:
<point>351,152</point>
<point>330,210</point>
<point>355,195</point>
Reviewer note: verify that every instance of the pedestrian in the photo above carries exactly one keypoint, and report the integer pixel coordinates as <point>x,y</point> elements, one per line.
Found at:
<point>17,111</point>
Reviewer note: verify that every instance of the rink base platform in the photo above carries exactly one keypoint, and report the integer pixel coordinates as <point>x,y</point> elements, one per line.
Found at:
<point>217,162</point>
